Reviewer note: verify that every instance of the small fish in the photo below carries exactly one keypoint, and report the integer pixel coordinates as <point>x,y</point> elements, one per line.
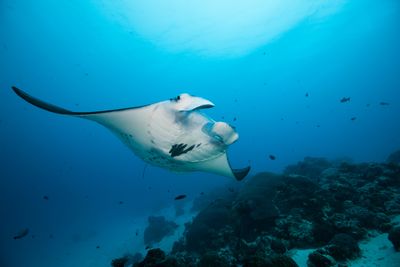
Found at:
<point>345,99</point>
<point>202,193</point>
<point>45,197</point>
<point>179,197</point>
<point>384,104</point>
<point>51,236</point>
<point>147,247</point>
<point>21,234</point>
<point>306,95</point>
<point>234,118</point>
<point>272,157</point>
<point>137,232</point>
<point>120,202</point>
<point>97,247</point>
<point>353,118</point>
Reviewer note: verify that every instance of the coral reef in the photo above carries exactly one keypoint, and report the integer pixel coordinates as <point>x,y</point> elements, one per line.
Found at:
<point>320,259</point>
<point>343,247</point>
<point>315,203</point>
<point>157,229</point>
<point>309,167</point>
<point>126,260</point>
<point>394,237</point>
<point>156,258</point>
<point>394,157</point>
<point>119,262</point>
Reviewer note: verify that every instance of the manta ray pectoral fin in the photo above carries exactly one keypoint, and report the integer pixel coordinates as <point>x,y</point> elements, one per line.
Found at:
<point>241,173</point>
<point>55,109</point>
<point>41,104</point>
<point>220,165</point>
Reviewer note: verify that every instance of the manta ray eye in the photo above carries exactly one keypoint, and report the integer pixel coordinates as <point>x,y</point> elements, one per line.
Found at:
<point>176,99</point>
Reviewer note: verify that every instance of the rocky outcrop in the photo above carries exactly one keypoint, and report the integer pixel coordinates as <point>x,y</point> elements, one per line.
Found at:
<point>157,229</point>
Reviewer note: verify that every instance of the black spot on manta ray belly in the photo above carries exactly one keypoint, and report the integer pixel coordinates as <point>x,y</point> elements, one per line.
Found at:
<point>179,149</point>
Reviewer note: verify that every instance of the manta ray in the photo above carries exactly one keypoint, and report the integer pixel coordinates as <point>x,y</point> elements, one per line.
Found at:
<point>172,134</point>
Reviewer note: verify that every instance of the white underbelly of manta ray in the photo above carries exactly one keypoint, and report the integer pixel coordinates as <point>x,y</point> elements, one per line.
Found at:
<point>172,134</point>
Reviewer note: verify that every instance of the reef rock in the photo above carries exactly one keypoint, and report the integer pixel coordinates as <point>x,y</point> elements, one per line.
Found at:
<point>310,167</point>
<point>394,237</point>
<point>157,229</point>
<point>394,157</point>
<point>157,258</point>
<point>254,208</point>
<point>315,203</point>
<point>343,247</point>
<point>319,259</point>
<point>210,228</point>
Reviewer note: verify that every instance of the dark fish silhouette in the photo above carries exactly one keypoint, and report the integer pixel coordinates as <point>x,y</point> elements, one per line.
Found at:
<point>345,99</point>
<point>384,104</point>
<point>45,197</point>
<point>272,157</point>
<point>353,118</point>
<point>21,234</point>
<point>179,197</point>
<point>306,94</point>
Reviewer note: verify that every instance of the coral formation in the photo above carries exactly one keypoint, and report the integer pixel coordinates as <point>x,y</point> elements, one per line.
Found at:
<point>394,157</point>
<point>315,203</point>
<point>157,229</point>
<point>394,237</point>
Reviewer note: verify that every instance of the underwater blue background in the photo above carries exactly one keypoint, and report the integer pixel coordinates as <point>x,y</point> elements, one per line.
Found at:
<point>79,55</point>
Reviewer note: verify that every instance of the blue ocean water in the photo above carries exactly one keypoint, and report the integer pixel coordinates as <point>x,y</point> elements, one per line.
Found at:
<point>278,77</point>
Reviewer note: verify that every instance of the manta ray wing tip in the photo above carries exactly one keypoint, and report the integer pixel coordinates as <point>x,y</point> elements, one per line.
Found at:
<point>241,173</point>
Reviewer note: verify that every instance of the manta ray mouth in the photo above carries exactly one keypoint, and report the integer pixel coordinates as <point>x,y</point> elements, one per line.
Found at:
<point>204,106</point>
